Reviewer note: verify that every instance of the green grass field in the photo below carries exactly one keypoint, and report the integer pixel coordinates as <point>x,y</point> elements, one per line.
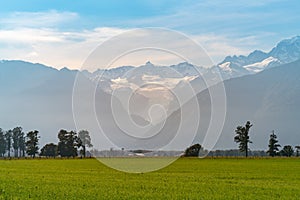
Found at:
<point>186,178</point>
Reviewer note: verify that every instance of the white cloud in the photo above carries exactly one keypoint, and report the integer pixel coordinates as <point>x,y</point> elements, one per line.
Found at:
<point>220,46</point>
<point>27,35</point>
<point>61,48</point>
<point>52,47</point>
<point>50,18</point>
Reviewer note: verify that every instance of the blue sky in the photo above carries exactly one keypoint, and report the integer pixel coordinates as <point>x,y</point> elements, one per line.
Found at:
<point>48,31</point>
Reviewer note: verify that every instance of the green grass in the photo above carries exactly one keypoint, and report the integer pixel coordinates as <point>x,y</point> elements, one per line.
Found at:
<point>277,178</point>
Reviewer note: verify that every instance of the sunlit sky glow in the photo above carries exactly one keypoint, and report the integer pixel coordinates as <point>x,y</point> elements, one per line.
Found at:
<point>63,33</point>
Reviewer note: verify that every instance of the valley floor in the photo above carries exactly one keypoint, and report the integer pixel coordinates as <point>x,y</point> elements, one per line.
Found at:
<point>186,178</point>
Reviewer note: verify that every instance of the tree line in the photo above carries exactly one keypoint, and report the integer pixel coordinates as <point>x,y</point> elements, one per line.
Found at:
<point>16,143</point>
<point>243,139</point>
<point>72,144</point>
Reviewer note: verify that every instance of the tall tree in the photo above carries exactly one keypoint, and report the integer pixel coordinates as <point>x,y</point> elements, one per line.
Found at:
<point>2,143</point>
<point>242,137</point>
<point>297,150</point>
<point>273,146</point>
<point>22,144</point>
<point>287,151</point>
<point>49,150</point>
<point>16,134</point>
<point>32,143</point>
<point>68,143</point>
<point>8,136</point>
<point>84,141</point>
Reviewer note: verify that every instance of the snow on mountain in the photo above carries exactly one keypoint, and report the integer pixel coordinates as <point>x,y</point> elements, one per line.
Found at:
<point>187,69</point>
<point>241,60</point>
<point>285,51</point>
<point>229,70</point>
<point>225,66</point>
<point>134,77</point>
<point>174,71</point>
<point>257,56</point>
<point>260,66</point>
<point>112,73</point>
<point>233,66</point>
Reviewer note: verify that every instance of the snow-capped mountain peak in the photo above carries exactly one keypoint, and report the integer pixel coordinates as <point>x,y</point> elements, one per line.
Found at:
<point>287,50</point>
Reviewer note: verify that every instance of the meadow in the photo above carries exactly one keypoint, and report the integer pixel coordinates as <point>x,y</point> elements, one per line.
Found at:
<point>186,178</point>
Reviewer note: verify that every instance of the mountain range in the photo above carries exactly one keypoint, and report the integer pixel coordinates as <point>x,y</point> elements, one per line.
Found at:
<point>261,87</point>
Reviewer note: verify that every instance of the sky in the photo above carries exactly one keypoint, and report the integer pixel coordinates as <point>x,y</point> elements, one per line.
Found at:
<point>63,33</point>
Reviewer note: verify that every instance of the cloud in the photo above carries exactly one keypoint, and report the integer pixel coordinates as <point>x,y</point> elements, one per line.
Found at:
<point>220,46</point>
<point>231,19</point>
<point>50,18</point>
<point>70,48</point>
<point>30,36</point>
<point>52,47</point>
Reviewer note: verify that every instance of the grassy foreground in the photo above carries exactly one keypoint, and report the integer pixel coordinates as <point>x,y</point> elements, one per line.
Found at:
<point>277,178</point>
